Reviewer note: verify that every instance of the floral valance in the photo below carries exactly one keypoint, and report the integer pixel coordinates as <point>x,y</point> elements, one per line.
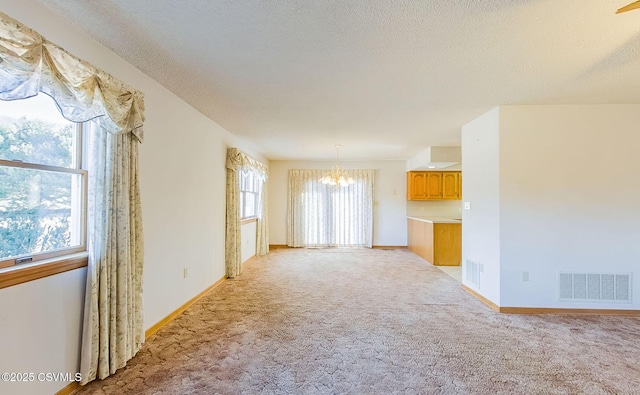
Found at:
<point>30,64</point>
<point>238,160</point>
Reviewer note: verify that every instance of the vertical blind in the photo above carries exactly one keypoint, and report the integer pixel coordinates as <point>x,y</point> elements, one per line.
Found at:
<point>322,215</point>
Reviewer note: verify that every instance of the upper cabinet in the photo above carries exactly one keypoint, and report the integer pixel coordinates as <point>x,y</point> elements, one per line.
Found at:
<point>434,185</point>
<point>451,185</point>
<point>416,185</point>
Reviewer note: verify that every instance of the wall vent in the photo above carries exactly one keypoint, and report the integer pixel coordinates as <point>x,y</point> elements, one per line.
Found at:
<point>473,272</point>
<point>594,287</point>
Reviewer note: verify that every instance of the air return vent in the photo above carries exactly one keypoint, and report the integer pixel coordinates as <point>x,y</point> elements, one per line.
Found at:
<point>473,272</point>
<point>594,287</point>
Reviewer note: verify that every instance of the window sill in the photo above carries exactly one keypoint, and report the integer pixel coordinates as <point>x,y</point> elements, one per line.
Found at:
<point>15,275</point>
<point>248,220</point>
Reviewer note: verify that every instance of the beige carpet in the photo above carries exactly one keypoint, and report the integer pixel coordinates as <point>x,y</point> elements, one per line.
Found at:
<point>373,322</point>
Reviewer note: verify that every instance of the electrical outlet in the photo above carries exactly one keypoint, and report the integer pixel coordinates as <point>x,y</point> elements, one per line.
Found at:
<point>467,205</point>
<point>525,276</point>
<point>185,272</point>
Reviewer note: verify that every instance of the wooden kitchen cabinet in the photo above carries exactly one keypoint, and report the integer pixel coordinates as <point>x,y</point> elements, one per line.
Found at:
<point>434,185</point>
<point>451,185</point>
<point>438,243</point>
<point>416,185</point>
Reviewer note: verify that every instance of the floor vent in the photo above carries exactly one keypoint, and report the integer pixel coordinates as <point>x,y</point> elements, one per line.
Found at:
<point>473,272</point>
<point>590,287</point>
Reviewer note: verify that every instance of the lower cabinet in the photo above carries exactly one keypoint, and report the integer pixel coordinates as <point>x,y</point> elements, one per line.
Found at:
<point>439,243</point>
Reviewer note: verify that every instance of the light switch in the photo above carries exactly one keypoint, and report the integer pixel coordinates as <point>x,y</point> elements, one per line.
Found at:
<point>467,205</point>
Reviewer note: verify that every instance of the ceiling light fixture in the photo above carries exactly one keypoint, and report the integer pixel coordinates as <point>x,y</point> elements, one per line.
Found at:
<point>633,6</point>
<point>336,176</point>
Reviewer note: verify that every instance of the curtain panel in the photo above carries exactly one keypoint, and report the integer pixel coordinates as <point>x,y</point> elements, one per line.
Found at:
<point>262,231</point>
<point>113,329</point>
<point>322,215</point>
<point>239,161</point>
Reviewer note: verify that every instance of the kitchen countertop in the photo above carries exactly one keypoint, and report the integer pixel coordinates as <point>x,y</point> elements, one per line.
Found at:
<point>436,220</point>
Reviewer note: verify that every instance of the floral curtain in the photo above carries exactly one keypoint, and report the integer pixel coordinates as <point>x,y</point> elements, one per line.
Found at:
<point>322,215</point>
<point>237,161</point>
<point>262,232</point>
<point>31,64</point>
<point>233,237</point>
<point>113,328</point>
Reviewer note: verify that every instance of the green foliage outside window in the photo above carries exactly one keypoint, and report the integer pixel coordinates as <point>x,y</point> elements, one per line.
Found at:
<point>35,205</point>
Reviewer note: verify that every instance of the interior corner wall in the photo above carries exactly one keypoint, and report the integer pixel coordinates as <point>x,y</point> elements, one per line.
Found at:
<point>389,217</point>
<point>183,182</point>
<point>569,193</point>
<point>480,187</point>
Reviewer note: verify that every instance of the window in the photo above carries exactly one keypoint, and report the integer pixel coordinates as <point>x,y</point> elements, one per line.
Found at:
<point>337,216</point>
<point>43,190</point>
<point>322,215</point>
<point>249,185</point>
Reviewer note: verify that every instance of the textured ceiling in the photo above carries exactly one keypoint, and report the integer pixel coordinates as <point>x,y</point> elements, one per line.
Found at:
<point>385,79</point>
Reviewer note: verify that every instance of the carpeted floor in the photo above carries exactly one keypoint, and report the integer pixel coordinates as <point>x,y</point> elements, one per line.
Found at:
<point>371,322</point>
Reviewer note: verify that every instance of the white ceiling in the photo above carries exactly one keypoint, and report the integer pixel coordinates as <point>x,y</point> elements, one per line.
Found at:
<point>385,79</point>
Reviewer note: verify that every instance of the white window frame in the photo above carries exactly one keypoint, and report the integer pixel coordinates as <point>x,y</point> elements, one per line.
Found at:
<point>77,167</point>
<point>249,185</point>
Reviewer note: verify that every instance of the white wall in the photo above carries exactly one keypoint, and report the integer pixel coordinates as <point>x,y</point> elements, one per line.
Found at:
<point>40,330</point>
<point>552,188</point>
<point>480,187</point>
<point>183,202</point>
<point>569,193</point>
<point>390,225</point>
<point>248,236</point>
<point>435,208</point>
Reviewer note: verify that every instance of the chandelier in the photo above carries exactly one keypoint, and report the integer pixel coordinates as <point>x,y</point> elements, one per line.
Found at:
<point>336,176</point>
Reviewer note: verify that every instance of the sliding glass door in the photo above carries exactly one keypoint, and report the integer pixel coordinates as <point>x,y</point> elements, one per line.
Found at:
<point>322,215</point>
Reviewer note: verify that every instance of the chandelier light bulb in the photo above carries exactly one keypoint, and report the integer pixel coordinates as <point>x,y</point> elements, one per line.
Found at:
<point>336,176</point>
